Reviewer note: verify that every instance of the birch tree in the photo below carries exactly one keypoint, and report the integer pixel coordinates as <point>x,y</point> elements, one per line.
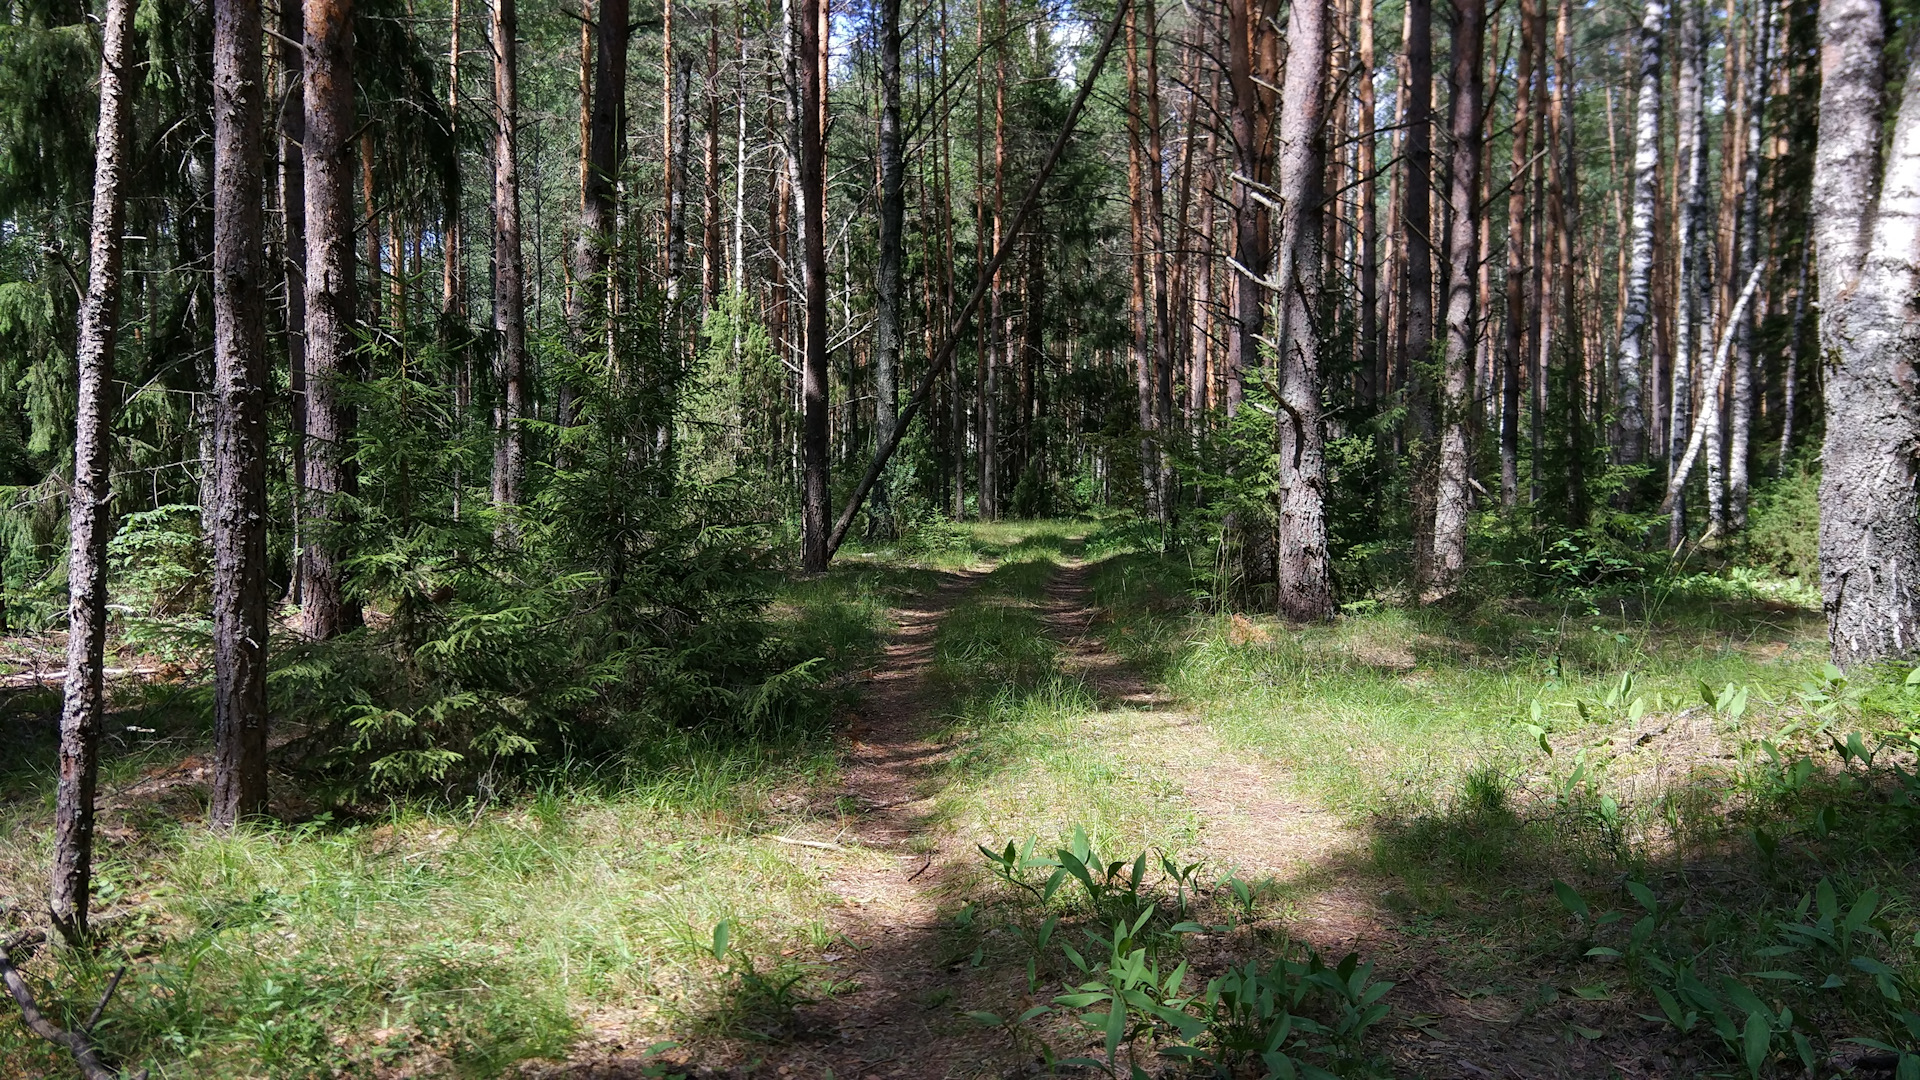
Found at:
<point>1630,428</point>
<point>1866,219</point>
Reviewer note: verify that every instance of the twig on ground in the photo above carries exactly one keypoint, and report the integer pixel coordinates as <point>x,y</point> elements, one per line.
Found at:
<point>77,1042</point>
<point>821,844</point>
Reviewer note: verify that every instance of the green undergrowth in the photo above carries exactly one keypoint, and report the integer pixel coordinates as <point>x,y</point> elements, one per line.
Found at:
<point>450,935</point>
<point>1651,809</point>
<point>1154,966</point>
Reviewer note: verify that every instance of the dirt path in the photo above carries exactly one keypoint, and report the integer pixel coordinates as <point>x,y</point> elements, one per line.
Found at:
<point>1249,824</point>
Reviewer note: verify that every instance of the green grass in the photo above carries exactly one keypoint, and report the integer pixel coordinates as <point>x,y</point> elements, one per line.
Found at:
<point>429,936</point>
<point>1420,728</point>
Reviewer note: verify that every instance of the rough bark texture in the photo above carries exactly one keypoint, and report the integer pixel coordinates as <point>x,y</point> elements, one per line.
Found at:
<point>1305,586</point>
<point>328,159</point>
<point>1452,499</point>
<point>240,421</point>
<point>1866,228</point>
<point>293,237</point>
<point>813,194</point>
<point>1630,431</point>
<point>889,273</point>
<point>89,508</point>
<point>509,274</point>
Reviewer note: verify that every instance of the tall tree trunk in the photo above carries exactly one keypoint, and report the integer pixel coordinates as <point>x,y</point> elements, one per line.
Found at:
<point>1750,253</point>
<point>711,258</point>
<point>1250,116</point>
<point>1163,358</point>
<point>1452,500</point>
<point>814,507</point>
<point>606,139</point>
<point>1516,336</point>
<point>890,271</point>
<point>1305,586</point>
<point>331,481</point>
<point>1790,370</point>
<point>680,77</point>
<point>1690,124</point>
<point>293,236</point>
<point>90,511</point>
<point>1564,212</point>
<point>1864,226</point>
<point>1369,315</point>
<point>1416,345</point>
<point>509,275</point>
<point>1140,308</point>
<point>240,420</point>
<point>1630,431</point>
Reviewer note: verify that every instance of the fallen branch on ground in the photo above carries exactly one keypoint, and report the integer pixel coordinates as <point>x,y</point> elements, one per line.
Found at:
<point>821,844</point>
<point>76,1042</point>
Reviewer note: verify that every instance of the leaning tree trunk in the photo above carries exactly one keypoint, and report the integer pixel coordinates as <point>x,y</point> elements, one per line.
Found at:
<point>89,507</point>
<point>1630,432</point>
<point>1452,500</point>
<point>509,276</point>
<point>1305,587</point>
<point>240,421</point>
<point>327,155</point>
<point>888,275</point>
<point>814,508</point>
<point>1864,224</point>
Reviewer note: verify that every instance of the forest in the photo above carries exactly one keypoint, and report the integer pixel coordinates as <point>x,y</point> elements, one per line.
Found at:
<point>915,538</point>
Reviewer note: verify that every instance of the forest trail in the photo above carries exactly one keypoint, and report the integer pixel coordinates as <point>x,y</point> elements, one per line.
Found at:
<point>1249,824</point>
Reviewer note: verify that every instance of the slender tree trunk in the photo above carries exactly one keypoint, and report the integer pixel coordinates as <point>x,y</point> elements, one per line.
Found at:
<point>1630,430</point>
<point>293,232</point>
<point>1250,115</point>
<point>1750,253</point>
<point>509,275</point>
<point>1417,230</point>
<point>1305,586</point>
<point>1452,500</point>
<point>1564,210</point>
<point>1790,373</point>
<point>1140,307</point>
<point>710,255</point>
<point>370,224</point>
<point>606,139</point>
<point>1163,358</point>
<point>678,135</point>
<point>90,510</point>
<point>1863,223</point>
<point>1369,320</point>
<point>1516,336</point>
<point>331,480</point>
<point>240,420</point>
<point>888,281</point>
<point>814,507</point>
<point>1689,236</point>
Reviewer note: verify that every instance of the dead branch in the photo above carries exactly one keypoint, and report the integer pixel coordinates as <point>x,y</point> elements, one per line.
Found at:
<point>77,1042</point>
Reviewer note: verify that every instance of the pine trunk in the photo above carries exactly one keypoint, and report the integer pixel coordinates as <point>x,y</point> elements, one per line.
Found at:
<point>90,510</point>
<point>889,274</point>
<point>330,482</point>
<point>509,276</point>
<point>1305,586</point>
<point>1452,499</point>
<point>814,509</point>
<point>240,421</point>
